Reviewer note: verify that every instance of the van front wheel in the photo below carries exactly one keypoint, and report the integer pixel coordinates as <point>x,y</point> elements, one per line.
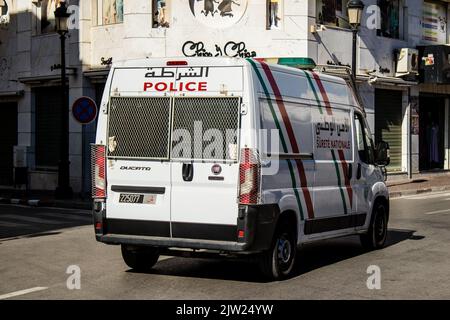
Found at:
<point>140,258</point>
<point>277,263</point>
<point>375,238</point>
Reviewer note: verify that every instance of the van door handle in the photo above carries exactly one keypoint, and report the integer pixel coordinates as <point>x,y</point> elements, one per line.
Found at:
<point>358,173</point>
<point>188,171</point>
<point>350,171</point>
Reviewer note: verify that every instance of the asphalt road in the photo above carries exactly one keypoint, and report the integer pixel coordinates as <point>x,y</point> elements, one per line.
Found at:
<point>37,245</point>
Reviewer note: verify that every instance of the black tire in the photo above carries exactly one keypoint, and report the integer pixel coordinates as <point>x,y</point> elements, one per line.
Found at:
<point>140,258</point>
<point>375,238</point>
<point>278,262</point>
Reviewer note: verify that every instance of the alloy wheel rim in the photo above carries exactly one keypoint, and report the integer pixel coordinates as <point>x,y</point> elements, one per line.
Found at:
<point>284,251</point>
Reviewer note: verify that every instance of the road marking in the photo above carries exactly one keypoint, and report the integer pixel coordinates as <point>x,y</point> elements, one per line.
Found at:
<point>31,219</point>
<point>439,211</point>
<point>21,292</point>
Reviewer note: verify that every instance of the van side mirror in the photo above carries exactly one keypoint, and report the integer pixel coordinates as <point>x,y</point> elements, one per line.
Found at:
<point>382,154</point>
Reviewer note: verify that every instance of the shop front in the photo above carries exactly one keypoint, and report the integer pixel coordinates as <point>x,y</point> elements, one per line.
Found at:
<point>432,128</point>
<point>388,124</point>
<point>8,139</point>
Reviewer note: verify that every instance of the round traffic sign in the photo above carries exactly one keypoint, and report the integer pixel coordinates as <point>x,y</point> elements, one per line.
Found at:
<point>84,110</point>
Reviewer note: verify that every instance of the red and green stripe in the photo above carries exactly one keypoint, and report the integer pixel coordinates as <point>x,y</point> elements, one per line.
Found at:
<point>347,180</point>
<point>340,152</point>
<point>339,181</point>
<point>314,91</point>
<point>283,141</point>
<point>323,93</point>
<point>292,139</point>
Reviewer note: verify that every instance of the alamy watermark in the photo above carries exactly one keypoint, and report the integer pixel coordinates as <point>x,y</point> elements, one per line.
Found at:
<point>74,280</point>
<point>374,280</point>
<point>373,17</point>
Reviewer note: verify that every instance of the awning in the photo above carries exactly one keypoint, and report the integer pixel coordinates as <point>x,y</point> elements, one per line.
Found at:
<point>11,94</point>
<point>393,81</point>
<point>56,79</point>
<point>97,75</point>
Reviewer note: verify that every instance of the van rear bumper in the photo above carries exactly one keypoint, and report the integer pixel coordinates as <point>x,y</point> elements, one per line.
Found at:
<point>173,242</point>
<point>253,231</point>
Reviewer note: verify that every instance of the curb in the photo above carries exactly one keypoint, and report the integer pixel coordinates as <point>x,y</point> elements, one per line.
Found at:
<point>397,194</point>
<point>44,203</point>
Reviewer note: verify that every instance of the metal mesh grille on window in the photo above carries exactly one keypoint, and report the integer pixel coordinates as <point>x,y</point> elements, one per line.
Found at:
<point>205,128</point>
<point>139,128</point>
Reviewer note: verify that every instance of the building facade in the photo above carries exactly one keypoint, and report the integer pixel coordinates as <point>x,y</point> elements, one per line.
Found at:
<point>403,109</point>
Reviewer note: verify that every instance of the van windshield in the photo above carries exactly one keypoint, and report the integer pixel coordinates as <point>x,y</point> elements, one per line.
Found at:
<point>163,128</point>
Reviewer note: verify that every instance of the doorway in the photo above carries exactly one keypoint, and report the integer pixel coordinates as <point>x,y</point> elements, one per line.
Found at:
<point>388,124</point>
<point>431,132</point>
<point>8,139</point>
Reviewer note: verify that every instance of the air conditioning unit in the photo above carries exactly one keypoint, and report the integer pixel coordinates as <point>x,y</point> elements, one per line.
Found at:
<point>407,62</point>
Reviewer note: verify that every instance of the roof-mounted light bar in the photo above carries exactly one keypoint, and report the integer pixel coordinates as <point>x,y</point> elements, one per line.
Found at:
<point>295,62</point>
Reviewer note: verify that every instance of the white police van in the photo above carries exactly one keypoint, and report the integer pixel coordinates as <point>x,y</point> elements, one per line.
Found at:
<point>233,156</point>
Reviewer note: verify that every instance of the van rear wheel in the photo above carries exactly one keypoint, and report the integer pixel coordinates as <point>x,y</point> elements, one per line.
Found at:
<point>140,258</point>
<point>375,238</point>
<point>278,262</point>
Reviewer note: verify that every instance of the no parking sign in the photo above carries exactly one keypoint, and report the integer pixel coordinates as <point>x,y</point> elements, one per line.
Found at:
<point>84,110</point>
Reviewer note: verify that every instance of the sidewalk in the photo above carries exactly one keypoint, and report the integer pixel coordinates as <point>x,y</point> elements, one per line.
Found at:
<point>43,199</point>
<point>421,183</point>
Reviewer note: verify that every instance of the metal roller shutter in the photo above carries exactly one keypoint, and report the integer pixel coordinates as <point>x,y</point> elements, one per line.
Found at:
<point>388,124</point>
<point>8,139</point>
<point>48,126</point>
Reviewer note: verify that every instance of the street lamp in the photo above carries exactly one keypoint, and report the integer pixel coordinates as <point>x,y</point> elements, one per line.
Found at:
<point>63,190</point>
<point>355,9</point>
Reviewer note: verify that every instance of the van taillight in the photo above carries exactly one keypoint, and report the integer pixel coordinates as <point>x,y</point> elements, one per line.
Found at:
<point>98,163</point>
<point>249,177</point>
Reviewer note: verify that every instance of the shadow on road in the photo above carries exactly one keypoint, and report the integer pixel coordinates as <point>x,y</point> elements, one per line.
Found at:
<point>30,222</point>
<point>310,257</point>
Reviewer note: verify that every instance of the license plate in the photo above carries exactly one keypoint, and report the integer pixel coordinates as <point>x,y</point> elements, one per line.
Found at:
<point>137,198</point>
<point>131,198</point>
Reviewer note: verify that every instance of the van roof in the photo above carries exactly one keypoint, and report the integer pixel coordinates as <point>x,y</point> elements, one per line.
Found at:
<point>212,61</point>
<point>191,61</point>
